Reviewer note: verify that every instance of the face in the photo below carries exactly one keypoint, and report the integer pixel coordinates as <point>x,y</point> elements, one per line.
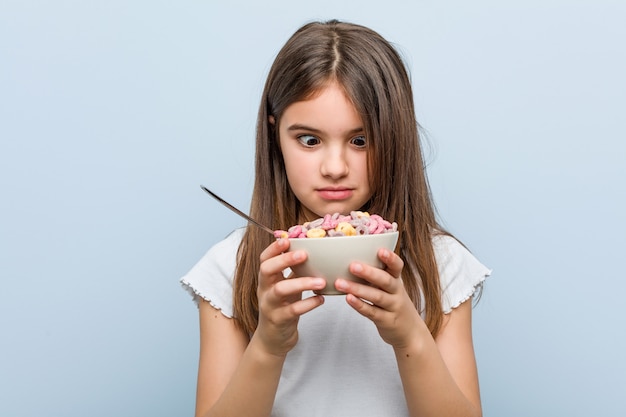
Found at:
<point>325,153</point>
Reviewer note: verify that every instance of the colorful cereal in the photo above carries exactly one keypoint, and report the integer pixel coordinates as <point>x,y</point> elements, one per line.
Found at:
<point>332,225</point>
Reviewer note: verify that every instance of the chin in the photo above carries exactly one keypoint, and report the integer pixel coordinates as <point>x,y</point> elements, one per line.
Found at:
<point>332,208</point>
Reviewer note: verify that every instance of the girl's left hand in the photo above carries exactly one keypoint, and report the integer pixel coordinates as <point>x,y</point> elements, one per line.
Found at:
<point>388,305</point>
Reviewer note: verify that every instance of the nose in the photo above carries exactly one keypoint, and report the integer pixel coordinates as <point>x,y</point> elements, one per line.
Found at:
<point>334,163</point>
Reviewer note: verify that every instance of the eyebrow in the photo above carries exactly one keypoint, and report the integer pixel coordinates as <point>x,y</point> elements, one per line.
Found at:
<point>297,126</point>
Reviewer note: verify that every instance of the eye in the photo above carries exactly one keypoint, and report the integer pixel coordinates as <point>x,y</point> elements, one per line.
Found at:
<point>308,140</point>
<point>359,141</point>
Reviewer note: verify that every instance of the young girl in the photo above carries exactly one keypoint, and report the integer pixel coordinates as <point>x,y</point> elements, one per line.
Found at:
<point>336,132</point>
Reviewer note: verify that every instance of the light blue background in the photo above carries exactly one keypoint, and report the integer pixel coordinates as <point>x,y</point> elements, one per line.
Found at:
<point>112,113</point>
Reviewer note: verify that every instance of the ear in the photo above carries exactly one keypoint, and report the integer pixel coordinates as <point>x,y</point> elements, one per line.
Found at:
<point>272,120</point>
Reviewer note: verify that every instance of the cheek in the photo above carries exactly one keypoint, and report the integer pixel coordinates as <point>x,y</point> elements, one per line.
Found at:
<point>295,168</point>
<point>361,165</point>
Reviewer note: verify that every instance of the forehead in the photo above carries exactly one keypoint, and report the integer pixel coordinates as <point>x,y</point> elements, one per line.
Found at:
<point>329,108</point>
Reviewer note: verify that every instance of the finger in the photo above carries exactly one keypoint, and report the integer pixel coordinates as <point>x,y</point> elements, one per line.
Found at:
<point>275,248</point>
<point>364,308</point>
<point>375,276</point>
<point>393,263</point>
<point>286,289</point>
<point>371,294</point>
<point>306,304</point>
<point>274,262</point>
<point>284,302</point>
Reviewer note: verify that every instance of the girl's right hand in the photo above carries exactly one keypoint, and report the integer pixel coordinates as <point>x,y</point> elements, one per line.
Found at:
<point>280,299</point>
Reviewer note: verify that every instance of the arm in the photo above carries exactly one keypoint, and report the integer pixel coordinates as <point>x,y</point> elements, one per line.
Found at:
<point>439,377</point>
<point>229,366</point>
<point>240,377</point>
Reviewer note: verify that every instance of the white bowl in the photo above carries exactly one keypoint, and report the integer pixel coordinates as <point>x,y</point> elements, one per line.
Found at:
<point>330,257</point>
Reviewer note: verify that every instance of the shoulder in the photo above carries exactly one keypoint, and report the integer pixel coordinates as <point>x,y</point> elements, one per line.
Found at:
<point>227,247</point>
<point>221,256</point>
<point>212,276</point>
<point>460,272</point>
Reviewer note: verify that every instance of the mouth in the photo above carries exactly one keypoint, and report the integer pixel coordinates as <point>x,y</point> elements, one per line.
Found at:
<point>335,193</point>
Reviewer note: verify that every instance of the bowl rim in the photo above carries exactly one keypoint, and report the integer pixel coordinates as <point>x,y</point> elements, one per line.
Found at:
<point>310,239</point>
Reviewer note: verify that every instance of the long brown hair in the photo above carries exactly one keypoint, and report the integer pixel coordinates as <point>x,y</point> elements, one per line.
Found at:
<point>375,79</point>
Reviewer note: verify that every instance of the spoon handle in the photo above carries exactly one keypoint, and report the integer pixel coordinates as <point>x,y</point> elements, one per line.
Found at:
<point>236,210</point>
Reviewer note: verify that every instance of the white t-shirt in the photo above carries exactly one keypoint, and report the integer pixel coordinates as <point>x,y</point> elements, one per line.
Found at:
<point>340,365</point>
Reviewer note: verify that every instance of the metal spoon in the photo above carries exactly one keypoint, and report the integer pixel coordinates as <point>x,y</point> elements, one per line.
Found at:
<point>236,210</point>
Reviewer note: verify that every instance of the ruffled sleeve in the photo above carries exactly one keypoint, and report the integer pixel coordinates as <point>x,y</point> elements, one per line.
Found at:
<point>460,273</point>
<point>211,278</point>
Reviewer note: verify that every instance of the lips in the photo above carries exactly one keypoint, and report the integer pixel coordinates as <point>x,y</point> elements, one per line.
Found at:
<point>335,193</point>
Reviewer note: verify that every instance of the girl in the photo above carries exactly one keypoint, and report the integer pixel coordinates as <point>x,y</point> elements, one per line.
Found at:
<point>336,132</point>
